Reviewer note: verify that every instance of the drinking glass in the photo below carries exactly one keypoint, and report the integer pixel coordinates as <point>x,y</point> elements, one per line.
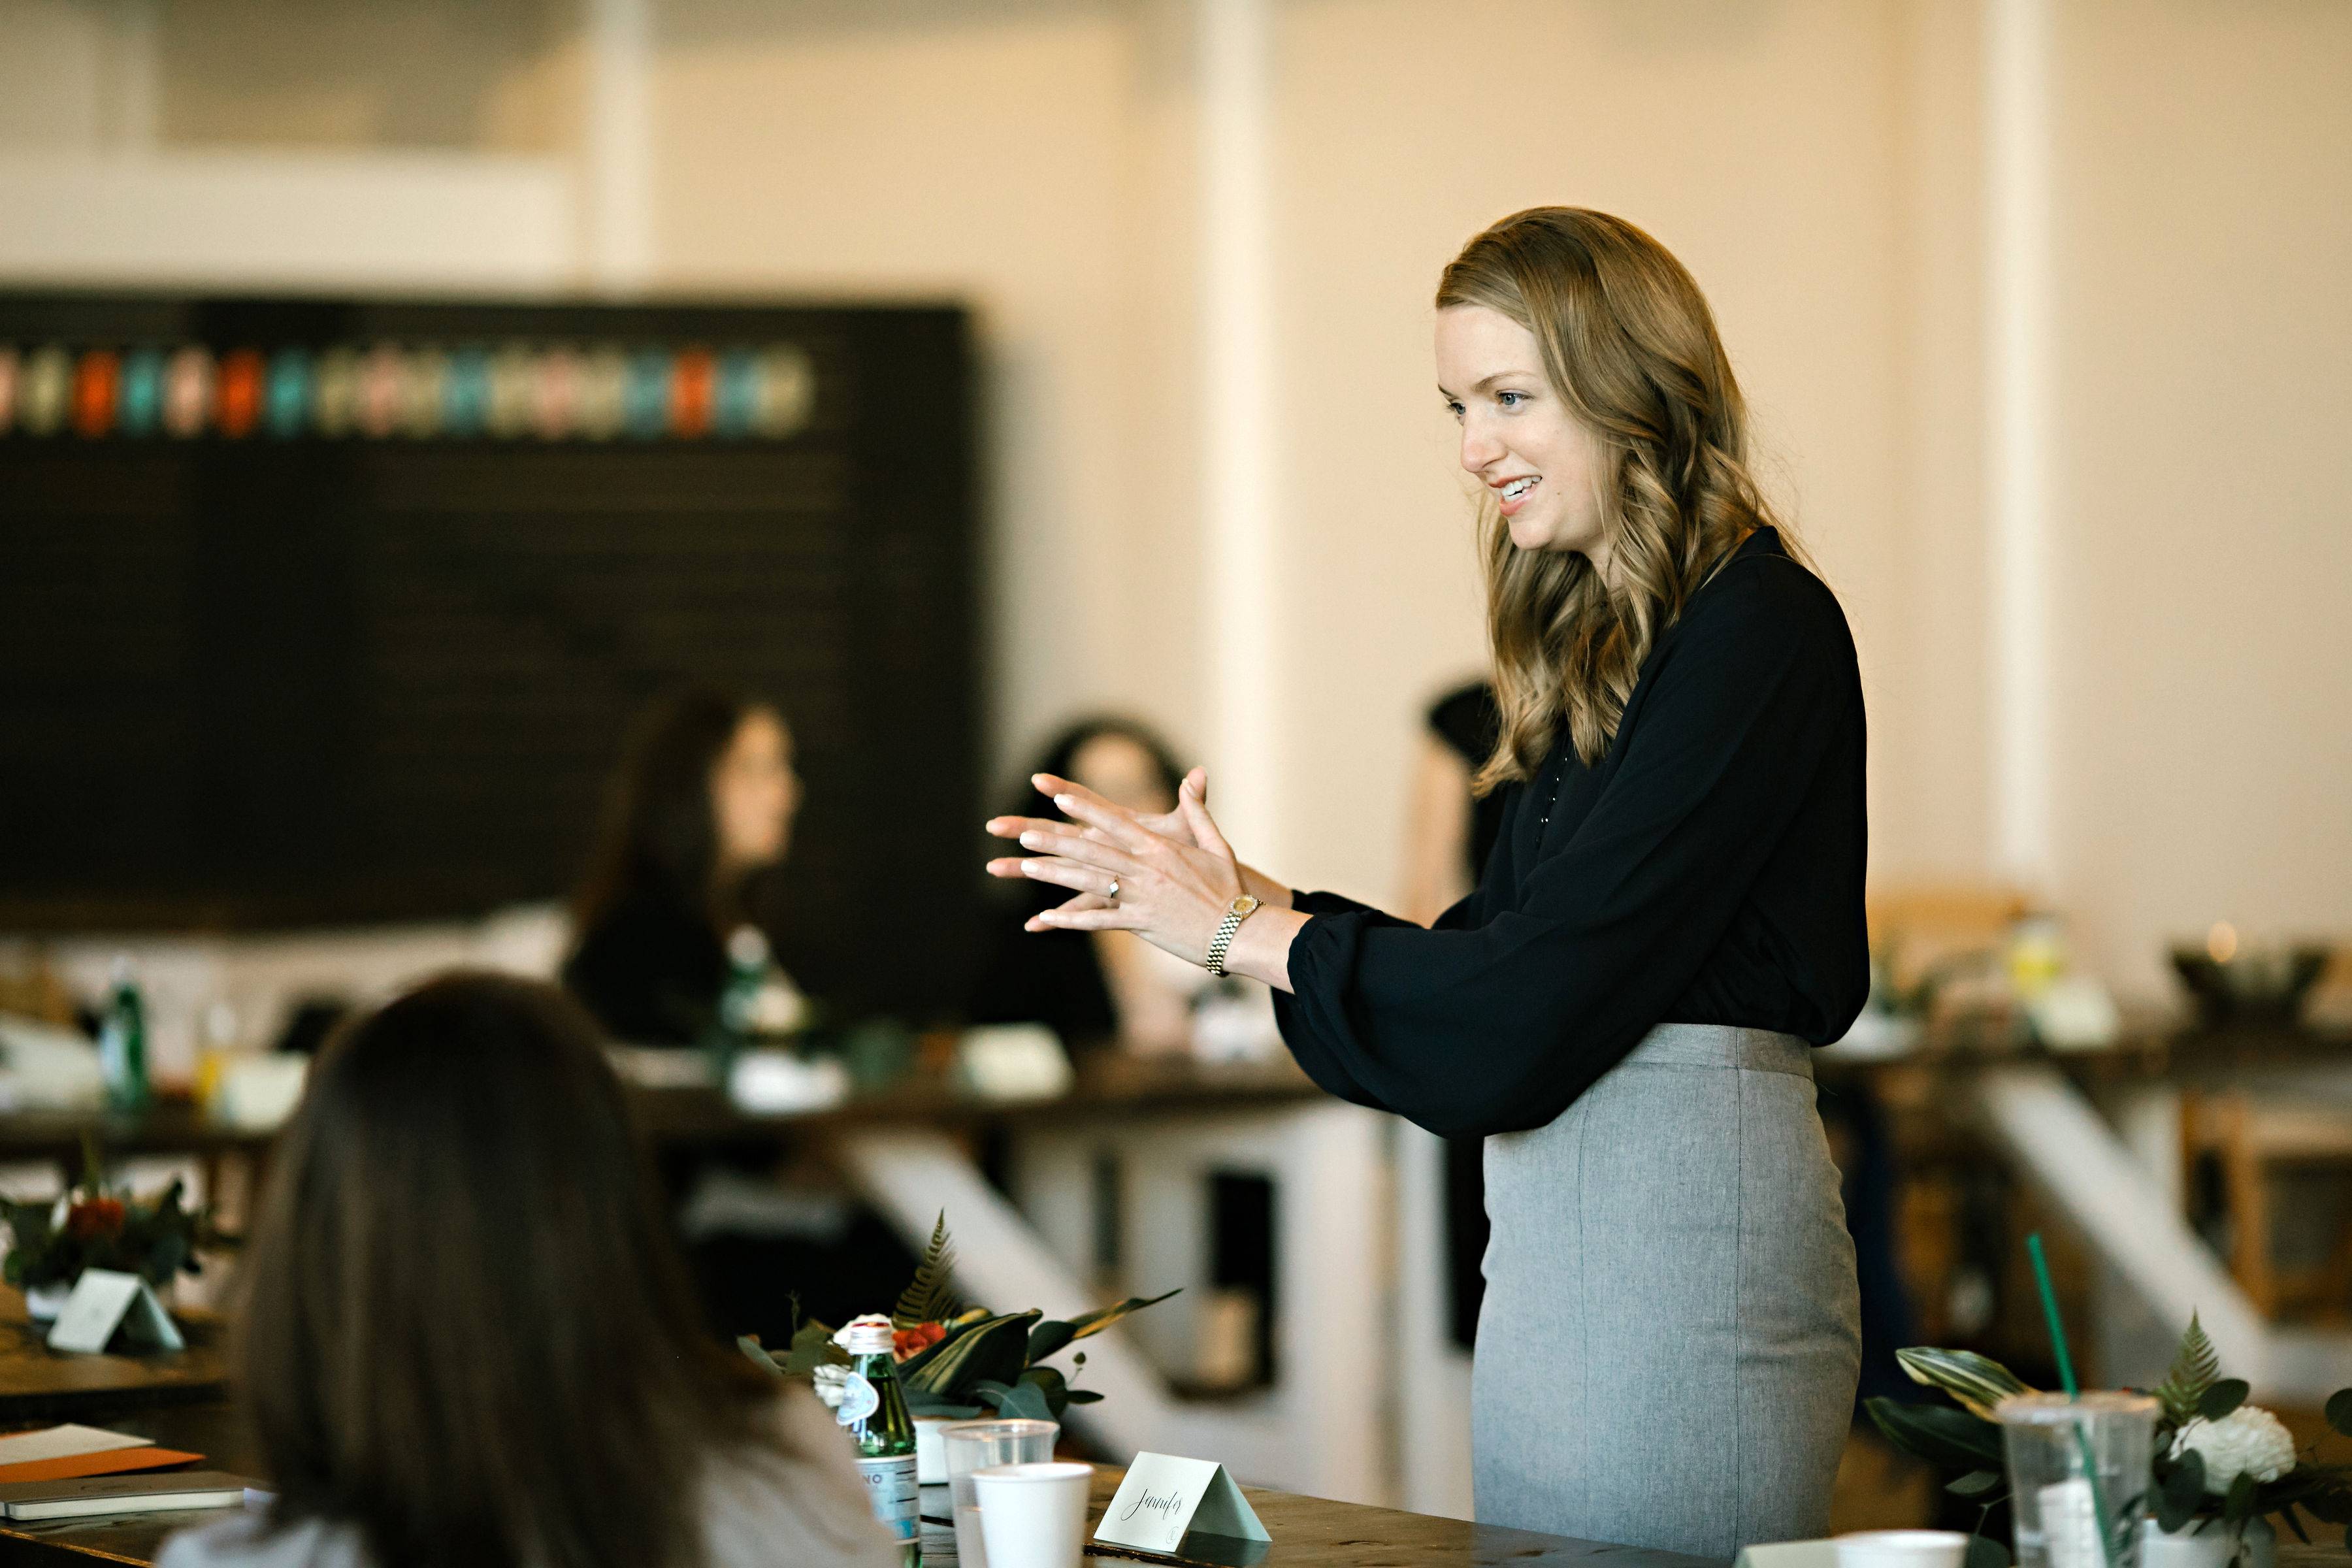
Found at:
<point>2078,1476</point>
<point>980,1446</point>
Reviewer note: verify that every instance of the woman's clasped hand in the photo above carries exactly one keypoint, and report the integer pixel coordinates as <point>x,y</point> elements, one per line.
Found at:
<point>1168,879</point>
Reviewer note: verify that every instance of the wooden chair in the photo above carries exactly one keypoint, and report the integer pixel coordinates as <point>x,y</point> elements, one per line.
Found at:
<point>2253,1141</point>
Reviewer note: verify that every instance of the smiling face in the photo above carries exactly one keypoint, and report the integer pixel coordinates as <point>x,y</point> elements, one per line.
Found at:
<point>1543,467</point>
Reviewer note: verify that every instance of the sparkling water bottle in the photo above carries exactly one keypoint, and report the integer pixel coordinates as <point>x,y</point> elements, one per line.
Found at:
<point>874,1410</point>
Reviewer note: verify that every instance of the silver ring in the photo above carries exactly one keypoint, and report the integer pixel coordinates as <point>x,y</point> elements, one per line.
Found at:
<point>1113,894</point>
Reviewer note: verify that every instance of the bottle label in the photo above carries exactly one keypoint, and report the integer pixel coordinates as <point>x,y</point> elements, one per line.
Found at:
<point>859,1399</point>
<point>891,1490</point>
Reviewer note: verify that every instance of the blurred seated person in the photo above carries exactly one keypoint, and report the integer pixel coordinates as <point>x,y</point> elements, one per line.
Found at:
<point>1089,987</point>
<point>1450,830</point>
<point>467,1339</point>
<point>703,803</point>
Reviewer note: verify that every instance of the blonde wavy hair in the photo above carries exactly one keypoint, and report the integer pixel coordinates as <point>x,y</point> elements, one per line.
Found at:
<point>1630,347</point>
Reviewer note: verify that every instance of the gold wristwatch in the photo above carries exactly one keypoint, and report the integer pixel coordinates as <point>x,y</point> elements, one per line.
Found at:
<point>1240,910</point>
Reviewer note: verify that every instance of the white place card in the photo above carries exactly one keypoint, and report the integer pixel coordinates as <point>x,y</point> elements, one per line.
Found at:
<point>104,1301</point>
<point>1164,1499</point>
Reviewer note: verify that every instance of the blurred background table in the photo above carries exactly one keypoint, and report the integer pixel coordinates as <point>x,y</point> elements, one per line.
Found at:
<point>38,1384</point>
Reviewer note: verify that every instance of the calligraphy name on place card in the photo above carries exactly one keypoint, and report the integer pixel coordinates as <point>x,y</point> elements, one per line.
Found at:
<point>1165,1499</point>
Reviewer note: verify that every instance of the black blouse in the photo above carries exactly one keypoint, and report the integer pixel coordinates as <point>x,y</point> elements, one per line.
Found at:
<point>651,972</point>
<point>1708,871</point>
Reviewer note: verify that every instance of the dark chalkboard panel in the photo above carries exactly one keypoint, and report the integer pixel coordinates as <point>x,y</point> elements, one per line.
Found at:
<point>313,659</point>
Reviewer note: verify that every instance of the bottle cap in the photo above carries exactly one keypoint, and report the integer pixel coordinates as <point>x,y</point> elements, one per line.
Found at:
<point>869,1335</point>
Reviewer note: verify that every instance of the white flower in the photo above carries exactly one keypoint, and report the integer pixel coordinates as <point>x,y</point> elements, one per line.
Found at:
<point>2248,1440</point>
<point>832,1384</point>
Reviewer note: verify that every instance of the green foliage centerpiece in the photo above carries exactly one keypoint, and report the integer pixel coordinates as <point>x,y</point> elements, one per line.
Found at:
<point>957,1364</point>
<point>96,1225</point>
<point>2216,1458</point>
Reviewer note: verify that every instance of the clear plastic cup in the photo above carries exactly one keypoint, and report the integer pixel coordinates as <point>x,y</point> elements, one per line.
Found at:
<point>984,1445</point>
<point>2078,1476</point>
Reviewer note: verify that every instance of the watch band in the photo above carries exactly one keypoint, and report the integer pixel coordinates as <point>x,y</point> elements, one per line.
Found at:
<point>1239,910</point>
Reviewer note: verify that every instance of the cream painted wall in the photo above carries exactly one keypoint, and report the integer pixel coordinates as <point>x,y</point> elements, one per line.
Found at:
<point>1816,162</point>
<point>1761,143</point>
<point>2203,669</point>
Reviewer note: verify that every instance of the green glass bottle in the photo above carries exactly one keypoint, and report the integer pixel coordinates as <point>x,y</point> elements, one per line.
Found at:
<point>747,969</point>
<point>122,1043</point>
<point>873,1411</point>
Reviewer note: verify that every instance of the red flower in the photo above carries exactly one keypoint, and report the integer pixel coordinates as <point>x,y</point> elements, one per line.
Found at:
<point>94,1217</point>
<point>907,1343</point>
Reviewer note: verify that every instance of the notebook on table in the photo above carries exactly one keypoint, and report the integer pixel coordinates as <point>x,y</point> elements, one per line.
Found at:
<point>62,1453</point>
<point>108,1495</point>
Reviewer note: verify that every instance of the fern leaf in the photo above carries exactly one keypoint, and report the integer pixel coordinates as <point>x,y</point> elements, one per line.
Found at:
<point>926,1298</point>
<point>2196,1367</point>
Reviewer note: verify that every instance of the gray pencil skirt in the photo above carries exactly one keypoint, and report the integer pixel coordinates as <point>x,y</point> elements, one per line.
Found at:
<point>1667,1352</point>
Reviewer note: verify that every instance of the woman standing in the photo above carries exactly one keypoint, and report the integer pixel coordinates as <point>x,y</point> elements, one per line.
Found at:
<point>1667,1349</point>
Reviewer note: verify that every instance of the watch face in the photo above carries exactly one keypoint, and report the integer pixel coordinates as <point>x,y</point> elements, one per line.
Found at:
<point>1245,905</point>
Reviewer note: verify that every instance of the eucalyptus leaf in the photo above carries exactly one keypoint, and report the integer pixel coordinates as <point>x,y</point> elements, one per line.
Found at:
<point>2222,1398</point>
<point>2339,1411</point>
<point>1049,1383</point>
<point>2240,1501</point>
<point>812,1347</point>
<point>2294,1522</point>
<point>1984,1552</point>
<point>2176,1500</point>
<point>1016,1400</point>
<point>1082,1396</point>
<point>1976,1483</point>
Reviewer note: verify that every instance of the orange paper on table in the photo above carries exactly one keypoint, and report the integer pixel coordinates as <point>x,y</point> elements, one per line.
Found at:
<point>110,1462</point>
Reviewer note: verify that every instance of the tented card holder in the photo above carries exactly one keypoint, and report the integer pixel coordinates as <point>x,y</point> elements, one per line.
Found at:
<point>1189,1509</point>
<point>105,1299</point>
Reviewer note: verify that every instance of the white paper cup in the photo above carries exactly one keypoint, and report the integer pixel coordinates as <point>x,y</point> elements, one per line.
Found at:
<point>1901,1549</point>
<point>1034,1516</point>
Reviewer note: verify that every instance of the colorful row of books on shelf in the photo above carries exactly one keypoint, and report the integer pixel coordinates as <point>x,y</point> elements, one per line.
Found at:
<point>520,392</point>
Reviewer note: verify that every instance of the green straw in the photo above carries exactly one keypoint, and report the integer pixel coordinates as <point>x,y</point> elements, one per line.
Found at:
<point>2099,1516</point>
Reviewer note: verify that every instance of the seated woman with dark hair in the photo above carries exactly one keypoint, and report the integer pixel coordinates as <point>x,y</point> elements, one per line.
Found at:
<point>467,1339</point>
<point>702,804</point>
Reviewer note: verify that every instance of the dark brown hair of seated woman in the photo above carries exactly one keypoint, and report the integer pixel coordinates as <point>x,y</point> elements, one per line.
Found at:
<point>466,1332</point>
<point>649,915</point>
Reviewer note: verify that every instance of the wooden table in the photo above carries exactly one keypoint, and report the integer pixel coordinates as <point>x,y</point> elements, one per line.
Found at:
<point>39,1385</point>
<point>1308,1533</point>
